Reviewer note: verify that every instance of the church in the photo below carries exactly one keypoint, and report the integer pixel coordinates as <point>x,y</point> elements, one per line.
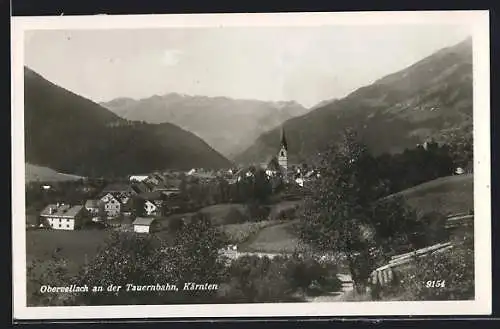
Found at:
<point>283,154</point>
<point>279,163</point>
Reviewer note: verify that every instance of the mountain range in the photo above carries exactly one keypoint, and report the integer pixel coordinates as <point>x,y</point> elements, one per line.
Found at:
<point>228,125</point>
<point>69,133</point>
<point>431,99</point>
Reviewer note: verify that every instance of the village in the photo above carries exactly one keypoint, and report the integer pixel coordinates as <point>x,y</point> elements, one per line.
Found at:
<point>143,203</point>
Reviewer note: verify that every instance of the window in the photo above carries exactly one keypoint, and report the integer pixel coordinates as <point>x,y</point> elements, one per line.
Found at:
<point>67,225</point>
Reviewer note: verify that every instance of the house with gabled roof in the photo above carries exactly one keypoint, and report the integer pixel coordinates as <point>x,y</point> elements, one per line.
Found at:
<point>112,205</point>
<point>153,202</point>
<point>64,217</point>
<point>146,225</point>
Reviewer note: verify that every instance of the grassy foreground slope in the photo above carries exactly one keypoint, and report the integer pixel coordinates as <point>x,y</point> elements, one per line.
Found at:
<point>447,195</point>
<point>34,173</point>
<point>273,239</point>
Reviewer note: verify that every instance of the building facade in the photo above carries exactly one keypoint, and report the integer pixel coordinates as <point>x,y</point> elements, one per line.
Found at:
<point>112,206</point>
<point>65,217</point>
<point>145,225</point>
<point>150,208</point>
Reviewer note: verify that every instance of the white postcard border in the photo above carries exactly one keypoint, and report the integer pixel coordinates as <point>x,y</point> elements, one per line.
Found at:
<point>478,20</point>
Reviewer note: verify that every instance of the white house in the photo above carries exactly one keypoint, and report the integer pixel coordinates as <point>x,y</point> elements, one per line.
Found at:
<point>145,225</point>
<point>65,217</point>
<point>112,206</point>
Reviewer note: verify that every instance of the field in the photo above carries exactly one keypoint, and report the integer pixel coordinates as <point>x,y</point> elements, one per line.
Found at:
<point>447,195</point>
<point>35,173</point>
<point>228,213</point>
<point>75,246</point>
<point>273,239</point>
<point>239,233</point>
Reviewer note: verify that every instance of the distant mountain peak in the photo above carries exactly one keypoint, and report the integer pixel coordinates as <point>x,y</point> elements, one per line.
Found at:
<point>429,99</point>
<point>72,134</point>
<point>212,118</point>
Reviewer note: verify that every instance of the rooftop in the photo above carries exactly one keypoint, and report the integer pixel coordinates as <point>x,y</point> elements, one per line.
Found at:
<point>144,221</point>
<point>61,210</point>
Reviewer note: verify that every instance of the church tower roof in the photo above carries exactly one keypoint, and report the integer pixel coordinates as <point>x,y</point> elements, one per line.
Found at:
<point>283,139</point>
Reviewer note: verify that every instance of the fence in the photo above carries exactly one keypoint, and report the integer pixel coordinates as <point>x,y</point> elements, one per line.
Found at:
<point>384,275</point>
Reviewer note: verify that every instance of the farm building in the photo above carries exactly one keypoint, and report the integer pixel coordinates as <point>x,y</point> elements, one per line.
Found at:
<point>146,225</point>
<point>64,217</point>
<point>92,207</point>
<point>112,206</point>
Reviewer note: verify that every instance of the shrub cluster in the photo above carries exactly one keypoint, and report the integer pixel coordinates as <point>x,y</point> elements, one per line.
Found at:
<point>253,279</point>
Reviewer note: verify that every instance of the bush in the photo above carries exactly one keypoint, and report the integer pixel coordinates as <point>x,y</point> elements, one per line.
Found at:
<point>286,210</point>
<point>192,256</point>
<point>251,279</point>
<point>434,228</point>
<point>175,224</point>
<point>53,272</point>
<point>454,267</point>
<point>311,276</point>
<point>257,211</point>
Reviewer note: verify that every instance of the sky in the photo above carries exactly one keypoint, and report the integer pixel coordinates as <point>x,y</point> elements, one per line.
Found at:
<point>304,64</point>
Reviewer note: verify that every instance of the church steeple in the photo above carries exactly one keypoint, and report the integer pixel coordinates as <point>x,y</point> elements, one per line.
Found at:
<point>283,153</point>
<point>283,139</point>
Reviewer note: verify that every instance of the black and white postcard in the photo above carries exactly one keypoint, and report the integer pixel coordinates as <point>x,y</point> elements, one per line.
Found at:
<point>251,165</point>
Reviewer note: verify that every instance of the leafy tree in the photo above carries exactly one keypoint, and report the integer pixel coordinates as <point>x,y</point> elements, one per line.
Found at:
<point>193,256</point>
<point>396,227</point>
<point>253,279</point>
<point>125,258</point>
<point>223,190</point>
<point>137,206</point>
<point>262,188</point>
<point>101,212</point>
<point>53,272</point>
<point>462,150</point>
<point>302,272</point>
<point>341,214</point>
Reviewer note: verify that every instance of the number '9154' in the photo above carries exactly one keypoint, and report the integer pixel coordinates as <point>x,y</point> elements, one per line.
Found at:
<point>435,284</point>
